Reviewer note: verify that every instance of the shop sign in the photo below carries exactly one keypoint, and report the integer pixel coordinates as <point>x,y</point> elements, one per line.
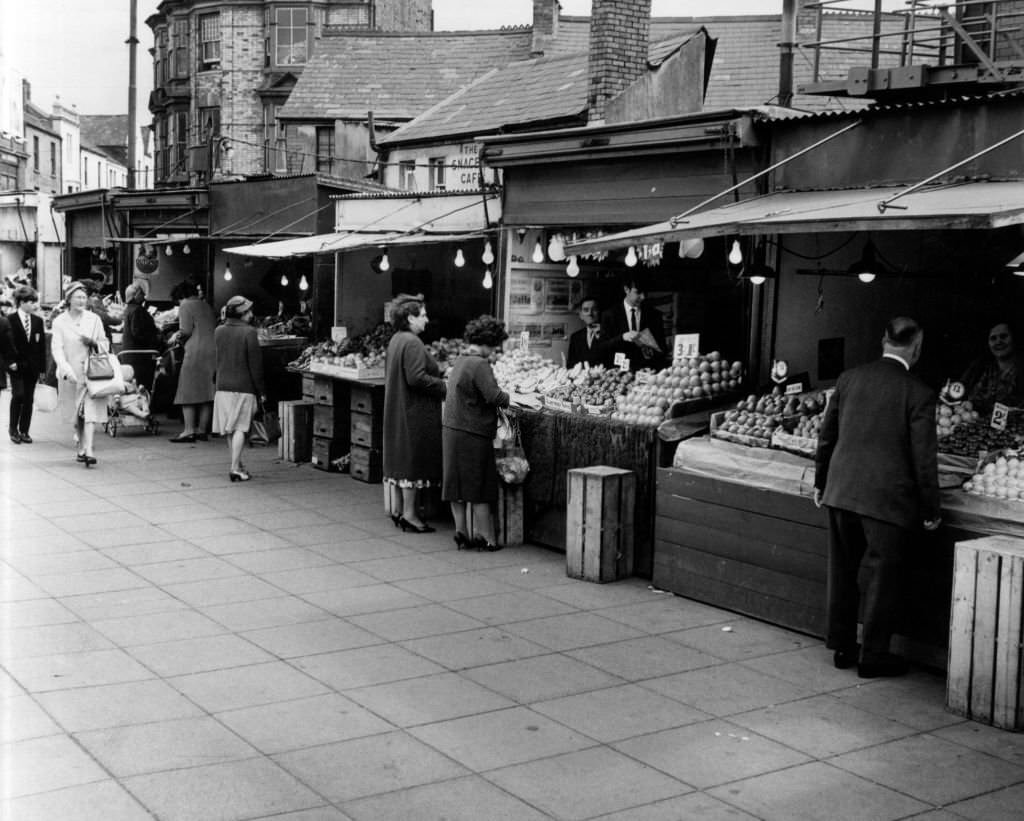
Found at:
<point>685,346</point>
<point>1000,416</point>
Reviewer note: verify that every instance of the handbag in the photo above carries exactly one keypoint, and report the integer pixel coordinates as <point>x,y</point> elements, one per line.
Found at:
<point>45,398</point>
<point>113,385</point>
<point>99,367</point>
<point>512,463</point>
<point>265,428</point>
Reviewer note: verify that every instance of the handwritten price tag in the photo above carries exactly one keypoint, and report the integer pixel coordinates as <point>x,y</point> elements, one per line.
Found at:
<point>684,346</point>
<point>1000,416</point>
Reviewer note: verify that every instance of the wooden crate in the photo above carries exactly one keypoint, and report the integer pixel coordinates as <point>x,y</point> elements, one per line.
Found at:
<point>366,430</point>
<point>367,399</point>
<point>507,514</point>
<point>325,451</point>
<point>984,680</point>
<point>309,386</point>
<point>366,464</point>
<point>599,523</point>
<point>296,442</point>
<point>327,391</point>
<point>332,422</point>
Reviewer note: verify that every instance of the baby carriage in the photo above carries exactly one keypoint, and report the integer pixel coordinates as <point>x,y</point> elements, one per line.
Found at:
<point>132,409</point>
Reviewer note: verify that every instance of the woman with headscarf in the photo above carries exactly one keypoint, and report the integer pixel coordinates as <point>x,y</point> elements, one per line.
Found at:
<point>75,334</point>
<point>413,391</point>
<point>470,423</point>
<point>196,321</point>
<point>240,383</point>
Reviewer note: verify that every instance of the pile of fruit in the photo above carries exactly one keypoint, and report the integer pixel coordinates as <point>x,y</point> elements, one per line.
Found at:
<point>446,350</point>
<point>1002,477</point>
<point>519,371</point>
<point>362,361</point>
<point>368,347</point>
<point>949,416</point>
<point>597,387</point>
<point>971,439</point>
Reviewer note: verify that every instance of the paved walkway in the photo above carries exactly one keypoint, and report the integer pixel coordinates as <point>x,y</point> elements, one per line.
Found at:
<point>177,647</point>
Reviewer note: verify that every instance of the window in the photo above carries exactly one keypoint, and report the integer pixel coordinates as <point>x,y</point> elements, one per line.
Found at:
<point>209,41</point>
<point>407,175</point>
<point>160,65</point>
<point>209,122</point>
<point>53,159</point>
<point>85,171</point>
<point>275,157</point>
<point>292,37</point>
<point>437,173</point>
<point>355,15</point>
<point>180,123</point>
<point>35,154</point>
<point>325,148</point>
<point>179,47</point>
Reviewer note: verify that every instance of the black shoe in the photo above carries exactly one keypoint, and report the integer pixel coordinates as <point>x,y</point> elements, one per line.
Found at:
<point>183,438</point>
<point>846,657</point>
<point>461,542</point>
<point>480,543</point>
<point>25,438</point>
<point>396,520</point>
<point>202,437</point>
<point>883,668</point>
<point>88,461</point>
<point>80,457</point>
<point>15,437</point>
<point>407,526</point>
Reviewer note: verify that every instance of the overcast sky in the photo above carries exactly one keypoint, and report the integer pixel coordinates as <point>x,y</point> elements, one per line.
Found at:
<point>76,48</point>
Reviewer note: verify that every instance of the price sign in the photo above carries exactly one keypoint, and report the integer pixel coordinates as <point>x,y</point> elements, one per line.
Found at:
<point>794,388</point>
<point>684,346</point>
<point>621,361</point>
<point>524,341</point>
<point>644,377</point>
<point>1000,416</point>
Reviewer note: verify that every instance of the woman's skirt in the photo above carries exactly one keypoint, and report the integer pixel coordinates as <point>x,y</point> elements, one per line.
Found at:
<point>73,401</point>
<point>470,474</point>
<point>233,411</point>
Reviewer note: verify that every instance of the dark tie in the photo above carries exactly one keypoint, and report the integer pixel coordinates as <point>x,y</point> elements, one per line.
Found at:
<point>632,319</point>
<point>28,327</point>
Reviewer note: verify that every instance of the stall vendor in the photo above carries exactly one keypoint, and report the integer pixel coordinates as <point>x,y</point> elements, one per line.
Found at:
<point>584,344</point>
<point>998,376</point>
<point>623,329</point>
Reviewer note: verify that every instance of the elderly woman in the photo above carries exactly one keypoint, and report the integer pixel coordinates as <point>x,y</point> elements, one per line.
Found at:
<point>413,392</point>
<point>196,321</point>
<point>75,334</point>
<point>239,380</point>
<point>139,331</point>
<point>470,423</point>
<point>998,376</point>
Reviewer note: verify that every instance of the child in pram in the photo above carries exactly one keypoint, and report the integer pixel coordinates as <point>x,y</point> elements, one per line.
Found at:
<point>131,408</point>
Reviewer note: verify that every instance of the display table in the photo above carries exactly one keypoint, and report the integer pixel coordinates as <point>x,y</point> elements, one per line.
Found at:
<point>557,442</point>
<point>736,527</point>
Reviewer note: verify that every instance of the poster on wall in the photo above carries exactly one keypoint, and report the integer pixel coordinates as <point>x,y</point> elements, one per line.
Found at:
<point>559,296</point>
<point>520,296</point>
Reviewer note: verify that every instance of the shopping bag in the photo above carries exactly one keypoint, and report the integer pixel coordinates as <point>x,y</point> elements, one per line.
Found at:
<point>112,385</point>
<point>505,431</point>
<point>265,428</point>
<point>45,399</point>
<point>99,366</point>
<point>511,458</point>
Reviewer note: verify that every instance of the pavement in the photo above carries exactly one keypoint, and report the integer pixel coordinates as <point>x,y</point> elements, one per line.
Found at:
<point>178,647</point>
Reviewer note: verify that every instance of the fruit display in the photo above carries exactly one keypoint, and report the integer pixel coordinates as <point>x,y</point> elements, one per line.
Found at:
<point>445,351</point>
<point>1001,477</point>
<point>970,439</point>
<point>595,387</point>
<point>801,421</point>
<point>753,419</point>
<point>370,347</point>
<point>949,416</point>
<point>519,371</point>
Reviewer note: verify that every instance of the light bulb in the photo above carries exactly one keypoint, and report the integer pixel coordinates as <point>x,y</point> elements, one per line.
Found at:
<point>538,253</point>
<point>284,279</point>
<point>460,260</point>
<point>736,253</point>
<point>303,283</point>
<point>227,273</point>
<point>866,277</point>
<point>488,279</point>
<point>631,256</point>
<point>169,250</point>
<point>573,268</point>
<point>385,264</point>
<point>488,256</point>
<point>185,249</point>
<point>757,279</point>
<point>103,254</point>
<point>556,251</point>
<point>692,249</point>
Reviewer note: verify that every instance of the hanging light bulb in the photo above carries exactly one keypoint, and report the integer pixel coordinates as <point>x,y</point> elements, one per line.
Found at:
<point>227,272</point>
<point>736,253</point>
<point>487,258</point>
<point>185,249</point>
<point>460,260</point>
<point>284,279</point>
<point>556,251</point>
<point>756,279</point>
<point>303,283</point>
<point>488,279</point>
<point>168,250</point>
<point>385,264</point>
<point>691,248</point>
<point>573,268</point>
<point>866,277</point>
<point>631,257</point>
<point>103,254</point>
<point>538,253</point>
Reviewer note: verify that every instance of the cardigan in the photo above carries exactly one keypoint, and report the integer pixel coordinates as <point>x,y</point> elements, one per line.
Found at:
<point>473,395</point>
<point>239,358</point>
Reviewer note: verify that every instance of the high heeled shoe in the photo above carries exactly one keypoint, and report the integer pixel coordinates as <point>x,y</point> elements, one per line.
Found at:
<point>183,438</point>
<point>396,520</point>
<point>87,460</point>
<point>461,542</point>
<point>407,526</point>
<point>480,543</point>
<point>239,476</point>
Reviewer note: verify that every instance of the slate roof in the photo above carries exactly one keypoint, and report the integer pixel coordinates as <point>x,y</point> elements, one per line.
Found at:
<point>396,75</point>
<point>104,129</point>
<point>531,94</point>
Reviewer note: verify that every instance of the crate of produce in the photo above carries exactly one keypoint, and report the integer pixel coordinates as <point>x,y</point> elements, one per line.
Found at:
<point>357,373</point>
<point>366,464</point>
<point>792,443</point>
<point>599,523</point>
<point>560,405</point>
<point>986,662</point>
<point>720,429</point>
<point>296,442</point>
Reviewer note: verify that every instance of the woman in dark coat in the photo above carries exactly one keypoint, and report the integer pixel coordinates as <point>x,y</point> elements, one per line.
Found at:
<point>196,321</point>
<point>138,330</point>
<point>470,423</point>
<point>413,392</point>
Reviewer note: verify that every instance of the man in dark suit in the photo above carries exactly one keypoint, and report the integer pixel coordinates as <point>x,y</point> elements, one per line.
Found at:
<point>584,344</point>
<point>876,471</point>
<point>29,361</point>
<point>621,325</point>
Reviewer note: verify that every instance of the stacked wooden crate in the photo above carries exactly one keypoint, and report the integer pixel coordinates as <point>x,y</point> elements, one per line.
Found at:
<point>366,432</point>
<point>331,421</point>
<point>296,441</point>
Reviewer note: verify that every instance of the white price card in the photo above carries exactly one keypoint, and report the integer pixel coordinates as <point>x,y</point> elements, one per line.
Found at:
<point>524,341</point>
<point>794,388</point>
<point>621,361</point>
<point>684,346</point>
<point>1000,416</point>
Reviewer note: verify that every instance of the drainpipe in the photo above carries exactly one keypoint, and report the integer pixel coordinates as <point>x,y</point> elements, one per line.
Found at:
<point>133,43</point>
<point>786,48</point>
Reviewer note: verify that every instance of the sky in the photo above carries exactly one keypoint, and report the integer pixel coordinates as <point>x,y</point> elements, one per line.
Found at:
<point>76,48</point>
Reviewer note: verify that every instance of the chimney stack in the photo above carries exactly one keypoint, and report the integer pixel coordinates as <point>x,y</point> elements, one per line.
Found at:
<point>619,36</point>
<point>545,25</point>
<point>26,91</point>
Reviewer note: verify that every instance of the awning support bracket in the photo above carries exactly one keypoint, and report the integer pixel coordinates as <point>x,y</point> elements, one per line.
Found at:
<point>886,204</point>
<point>676,221</point>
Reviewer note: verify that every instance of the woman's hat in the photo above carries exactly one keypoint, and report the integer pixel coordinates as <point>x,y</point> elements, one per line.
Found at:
<point>238,305</point>
<point>76,285</point>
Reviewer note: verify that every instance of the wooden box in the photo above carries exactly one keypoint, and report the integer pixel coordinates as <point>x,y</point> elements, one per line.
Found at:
<point>365,464</point>
<point>309,387</point>
<point>599,523</point>
<point>985,681</point>
<point>296,442</point>
<point>366,430</point>
<point>325,451</point>
<point>330,392</point>
<point>508,516</point>
<point>332,421</point>
<point>367,399</point>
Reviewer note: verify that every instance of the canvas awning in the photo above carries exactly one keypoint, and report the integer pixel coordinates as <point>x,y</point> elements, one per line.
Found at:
<point>344,241</point>
<point>968,205</point>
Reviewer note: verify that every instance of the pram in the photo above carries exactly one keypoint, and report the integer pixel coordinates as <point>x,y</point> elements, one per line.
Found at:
<point>132,409</point>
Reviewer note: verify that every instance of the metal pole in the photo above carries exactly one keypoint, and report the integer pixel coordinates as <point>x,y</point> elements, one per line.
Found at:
<point>133,43</point>
<point>786,48</point>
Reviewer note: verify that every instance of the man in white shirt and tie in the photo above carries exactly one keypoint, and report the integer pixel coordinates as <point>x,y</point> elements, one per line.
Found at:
<point>583,344</point>
<point>621,325</point>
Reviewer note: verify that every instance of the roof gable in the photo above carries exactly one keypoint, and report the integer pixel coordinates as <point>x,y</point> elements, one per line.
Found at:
<point>104,130</point>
